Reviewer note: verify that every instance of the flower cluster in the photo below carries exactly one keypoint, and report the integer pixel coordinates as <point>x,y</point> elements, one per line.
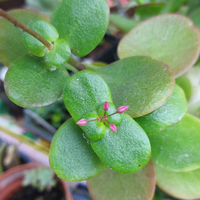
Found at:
<point>113,127</point>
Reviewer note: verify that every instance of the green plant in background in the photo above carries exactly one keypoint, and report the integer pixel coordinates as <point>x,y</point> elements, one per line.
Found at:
<point>101,138</point>
<point>56,113</point>
<point>41,178</point>
<point>2,152</point>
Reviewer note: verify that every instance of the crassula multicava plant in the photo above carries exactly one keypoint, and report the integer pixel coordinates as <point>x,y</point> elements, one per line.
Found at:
<point>122,114</point>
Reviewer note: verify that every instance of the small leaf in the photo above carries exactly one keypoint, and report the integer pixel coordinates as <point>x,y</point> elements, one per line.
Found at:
<point>195,17</point>
<point>122,23</point>
<point>94,130</point>
<point>71,156</point>
<point>185,84</point>
<point>85,92</point>
<point>148,10</point>
<point>60,54</point>
<point>193,5</point>
<point>126,151</point>
<point>11,44</point>
<point>111,185</point>
<point>31,82</point>
<point>172,6</point>
<point>43,28</point>
<point>139,82</point>
<point>181,185</point>
<point>81,23</point>
<point>167,115</point>
<point>177,148</point>
<point>169,38</point>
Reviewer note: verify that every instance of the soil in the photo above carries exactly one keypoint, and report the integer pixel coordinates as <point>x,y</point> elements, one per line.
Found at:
<point>30,193</point>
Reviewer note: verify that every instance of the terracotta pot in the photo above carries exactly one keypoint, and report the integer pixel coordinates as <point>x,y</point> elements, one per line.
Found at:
<point>11,181</point>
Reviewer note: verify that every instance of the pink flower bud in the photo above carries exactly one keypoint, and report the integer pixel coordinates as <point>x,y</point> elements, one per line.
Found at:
<point>122,109</point>
<point>113,128</point>
<point>82,122</point>
<point>106,106</point>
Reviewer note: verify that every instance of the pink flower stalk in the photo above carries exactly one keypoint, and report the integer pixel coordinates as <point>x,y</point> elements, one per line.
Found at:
<point>82,122</point>
<point>122,109</point>
<point>106,106</point>
<point>110,3</point>
<point>113,128</point>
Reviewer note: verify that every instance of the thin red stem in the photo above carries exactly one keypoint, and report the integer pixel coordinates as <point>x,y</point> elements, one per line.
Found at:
<point>107,121</point>
<point>112,114</point>
<point>92,120</point>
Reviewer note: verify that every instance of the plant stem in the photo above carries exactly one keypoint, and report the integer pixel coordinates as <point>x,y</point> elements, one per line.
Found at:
<point>67,66</point>
<point>112,114</point>
<point>78,65</point>
<point>107,121</point>
<point>25,28</point>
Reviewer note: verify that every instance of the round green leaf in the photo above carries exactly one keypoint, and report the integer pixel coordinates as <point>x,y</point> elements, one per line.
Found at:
<point>34,45</point>
<point>169,38</point>
<point>195,16</point>
<point>111,185</point>
<point>43,28</point>
<point>142,83</point>
<point>95,130</point>
<point>85,92</point>
<point>71,155</point>
<point>81,23</point>
<point>126,151</point>
<point>181,185</point>
<point>31,82</point>
<point>11,43</point>
<point>167,115</point>
<point>185,84</point>
<point>177,148</point>
<point>60,54</point>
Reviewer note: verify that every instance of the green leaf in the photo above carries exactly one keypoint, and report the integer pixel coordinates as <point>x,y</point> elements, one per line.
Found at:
<point>71,155</point>
<point>122,23</point>
<point>139,82</point>
<point>195,17</point>
<point>177,148</point>
<point>167,115</point>
<point>85,92</point>
<point>172,6</point>
<point>126,151</point>
<point>169,38</point>
<point>181,185</point>
<point>110,185</point>
<point>198,62</point>
<point>148,10</point>
<point>94,130</point>
<point>81,23</point>
<point>60,54</point>
<point>185,84</point>
<point>31,82</point>
<point>193,5</point>
<point>43,28</point>
<point>11,44</point>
